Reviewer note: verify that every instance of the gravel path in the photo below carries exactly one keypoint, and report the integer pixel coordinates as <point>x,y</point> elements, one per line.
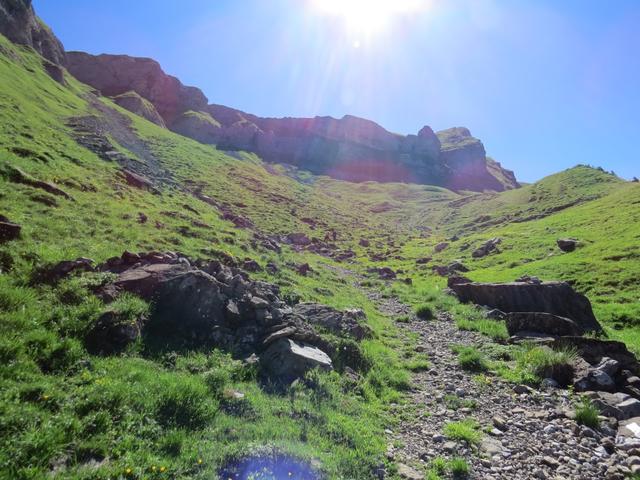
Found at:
<point>526,435</point>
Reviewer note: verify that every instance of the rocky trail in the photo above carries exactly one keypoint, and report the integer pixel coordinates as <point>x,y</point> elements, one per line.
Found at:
<point>525,433</point>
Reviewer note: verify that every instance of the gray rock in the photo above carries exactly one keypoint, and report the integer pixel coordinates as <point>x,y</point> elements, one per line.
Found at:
<point>488,247</point>
<point>409,473</point>
<point>8,230</point>
<point>287,360</point>
<point>522,389</point>
<point>440,247</point>
<point>629,428</point>
<point>608,366</point>
<point>601,381</point>
<point>540,322</point>
<point>567,244</point>
<point>491,446</point>
<point>630,408</point>
<point>350,322</point>
<point>557,298</point>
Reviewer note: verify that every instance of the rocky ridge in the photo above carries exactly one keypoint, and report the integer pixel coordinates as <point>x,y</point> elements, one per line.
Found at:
<point>349,148</point>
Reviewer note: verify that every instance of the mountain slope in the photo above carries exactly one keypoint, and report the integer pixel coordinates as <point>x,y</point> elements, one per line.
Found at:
<point>84,177</point>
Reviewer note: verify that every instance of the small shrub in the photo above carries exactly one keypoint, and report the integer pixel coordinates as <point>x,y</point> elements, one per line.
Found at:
<point>467,430</point>
<point>587,413</point>
<point>217,380</point>
<point>439,465</point>
<point>424,312</point>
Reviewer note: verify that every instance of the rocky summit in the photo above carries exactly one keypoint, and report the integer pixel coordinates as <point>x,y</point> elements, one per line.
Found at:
<point>189,291</point>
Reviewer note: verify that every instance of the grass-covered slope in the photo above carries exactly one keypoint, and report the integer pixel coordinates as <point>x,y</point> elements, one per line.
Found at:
<point>605,220</point>
<point>68,414</point>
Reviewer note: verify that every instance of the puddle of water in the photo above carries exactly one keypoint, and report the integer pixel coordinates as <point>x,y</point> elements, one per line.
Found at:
<point>276,467</point>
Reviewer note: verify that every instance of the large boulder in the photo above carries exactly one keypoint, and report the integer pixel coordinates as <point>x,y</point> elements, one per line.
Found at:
<point>19,23</point>
<point>287,360</point>
<point>192,303</point>
<point>112,333</point>
<point>540,322</point>
<point>349,322</point>
<point>557,298</point>
<point>567,244</point>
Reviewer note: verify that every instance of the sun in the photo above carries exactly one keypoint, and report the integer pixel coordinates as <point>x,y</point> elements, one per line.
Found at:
<point>368,17</point>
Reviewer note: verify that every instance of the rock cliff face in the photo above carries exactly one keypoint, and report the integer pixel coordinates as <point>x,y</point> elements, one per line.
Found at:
<point>117,74</point>
<point>349,148</point>
<point>18,22</point>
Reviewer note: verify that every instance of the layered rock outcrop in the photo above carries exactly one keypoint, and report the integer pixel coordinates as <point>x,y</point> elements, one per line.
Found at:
<point>348,148</point>
<point>556,298</point>
<point>117,74</point>
<point>19,23</point>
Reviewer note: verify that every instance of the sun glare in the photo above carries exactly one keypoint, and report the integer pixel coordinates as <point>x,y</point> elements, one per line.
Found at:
<point>368,17</point>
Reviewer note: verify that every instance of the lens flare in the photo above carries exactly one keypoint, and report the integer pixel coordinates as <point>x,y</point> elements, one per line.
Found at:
<point>368,17</point>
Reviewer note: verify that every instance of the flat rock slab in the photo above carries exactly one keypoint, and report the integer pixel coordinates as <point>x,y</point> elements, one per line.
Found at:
<point>541,322</point>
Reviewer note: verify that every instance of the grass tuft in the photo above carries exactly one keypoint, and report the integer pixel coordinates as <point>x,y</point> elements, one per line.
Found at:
<point>425,312</point>
<point>587,413</point>
<point>467,430</point>
<point>471,359</point>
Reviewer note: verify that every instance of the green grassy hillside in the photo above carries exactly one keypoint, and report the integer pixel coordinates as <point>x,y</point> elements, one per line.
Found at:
<point>79,416</point>
<point>67,414</point>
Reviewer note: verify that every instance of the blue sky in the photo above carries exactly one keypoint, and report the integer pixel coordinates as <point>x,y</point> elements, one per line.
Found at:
<point>545,84</point>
